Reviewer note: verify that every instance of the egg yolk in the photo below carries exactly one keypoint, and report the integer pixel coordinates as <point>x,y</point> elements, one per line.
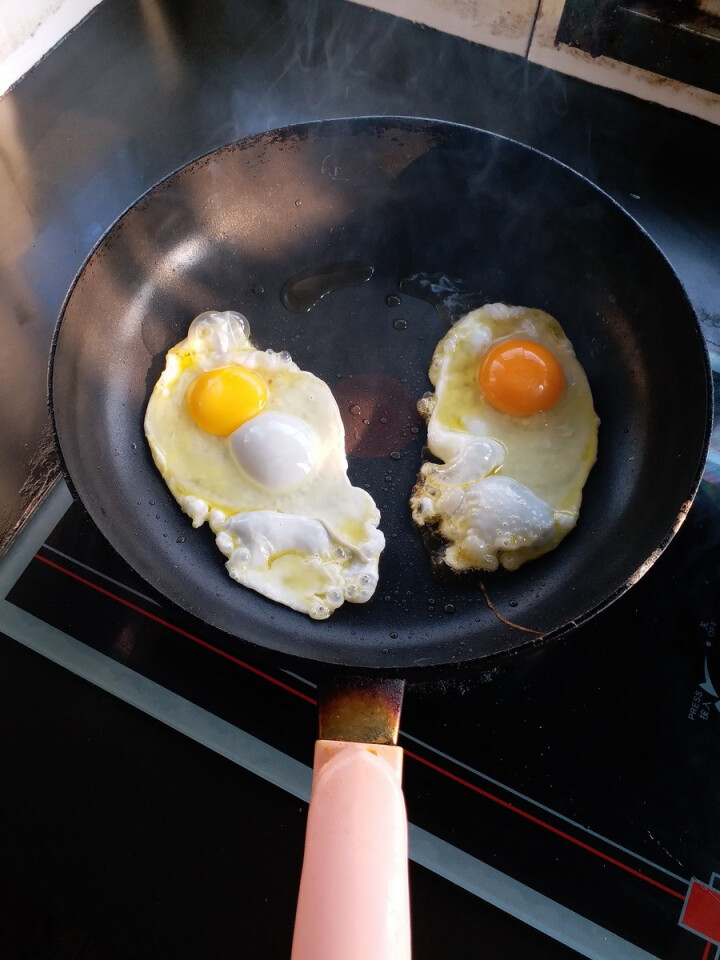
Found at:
<point>222,400</point>
<point>520,377</point>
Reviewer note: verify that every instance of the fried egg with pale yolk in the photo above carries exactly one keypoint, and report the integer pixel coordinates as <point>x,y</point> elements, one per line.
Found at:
<point>512,424</point>
<point>255,446</point>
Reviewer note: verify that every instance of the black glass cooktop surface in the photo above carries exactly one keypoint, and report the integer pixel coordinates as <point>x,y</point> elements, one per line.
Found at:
<point>564,803</point>
<point>574,788</point>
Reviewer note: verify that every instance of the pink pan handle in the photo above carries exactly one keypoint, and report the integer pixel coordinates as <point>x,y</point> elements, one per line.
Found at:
<point>354,902</point>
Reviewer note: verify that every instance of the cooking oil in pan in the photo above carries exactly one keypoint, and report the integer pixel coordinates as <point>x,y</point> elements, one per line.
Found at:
<point>304,290</point>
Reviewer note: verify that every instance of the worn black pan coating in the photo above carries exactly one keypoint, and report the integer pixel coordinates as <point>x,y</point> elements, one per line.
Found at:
<point>474,218</point>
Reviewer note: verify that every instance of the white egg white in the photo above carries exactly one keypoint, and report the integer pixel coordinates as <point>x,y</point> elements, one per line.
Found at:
<point>276,493</point>
<point>507,489</point>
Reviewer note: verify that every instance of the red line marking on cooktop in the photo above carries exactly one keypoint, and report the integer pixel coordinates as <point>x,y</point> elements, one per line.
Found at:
<point>706,951</point>
<point>542,823</point>
<point>176,629</point>
<point>446,773</point>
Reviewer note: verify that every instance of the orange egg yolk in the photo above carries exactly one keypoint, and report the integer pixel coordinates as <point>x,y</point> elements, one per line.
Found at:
<point>222,400</point>
<point>520,377</point>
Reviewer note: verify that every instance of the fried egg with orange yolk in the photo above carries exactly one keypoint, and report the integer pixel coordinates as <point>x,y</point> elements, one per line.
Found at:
<point>255,446</point>
<point>512,427</point>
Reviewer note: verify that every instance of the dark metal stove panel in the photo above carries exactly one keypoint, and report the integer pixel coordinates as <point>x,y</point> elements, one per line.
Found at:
<point>677,40</point>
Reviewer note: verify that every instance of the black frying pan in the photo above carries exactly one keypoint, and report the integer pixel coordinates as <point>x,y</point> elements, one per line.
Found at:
<point>447,218</point>
<point>423,220</point>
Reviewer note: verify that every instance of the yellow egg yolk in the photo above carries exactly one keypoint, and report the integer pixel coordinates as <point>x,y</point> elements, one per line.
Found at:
<point>222,400</point>
<point>520,377</point>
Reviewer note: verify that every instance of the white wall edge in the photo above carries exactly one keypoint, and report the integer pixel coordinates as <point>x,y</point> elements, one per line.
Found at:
<point>47,35</point>
<point>505,26</point>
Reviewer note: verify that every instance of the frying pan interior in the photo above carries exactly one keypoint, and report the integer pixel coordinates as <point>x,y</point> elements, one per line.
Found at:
<point>447,218</point>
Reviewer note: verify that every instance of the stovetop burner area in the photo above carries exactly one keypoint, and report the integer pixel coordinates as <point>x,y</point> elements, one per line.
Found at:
<point>575,788</point>
<point>562,803</point>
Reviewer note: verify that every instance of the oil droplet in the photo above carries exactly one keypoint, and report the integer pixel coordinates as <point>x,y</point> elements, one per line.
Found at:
<point>449,608</point>
<point>298,203</point>
<point>393,300</point>
<point>134,446</point>
<point>400,324</point>
<point>383,419</point>
<point>366,422</point>
<point>258,289</point>
<point>355,410</point>
<point>393,636</point>
<point>414,429</point>
<point>180,540</point>
<point>301,292</point>
<point>394,455</point>
<point>513,603</point>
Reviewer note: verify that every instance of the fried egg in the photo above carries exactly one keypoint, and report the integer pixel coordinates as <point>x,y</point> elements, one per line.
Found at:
<point>255,446</point>
<point>512,423</point>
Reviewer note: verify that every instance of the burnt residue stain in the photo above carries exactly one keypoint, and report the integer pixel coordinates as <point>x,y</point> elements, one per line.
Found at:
<point>301,292</point>
<point>43,471</point>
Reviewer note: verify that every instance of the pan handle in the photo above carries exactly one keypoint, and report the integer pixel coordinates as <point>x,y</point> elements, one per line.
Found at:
<point>354,900</point>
